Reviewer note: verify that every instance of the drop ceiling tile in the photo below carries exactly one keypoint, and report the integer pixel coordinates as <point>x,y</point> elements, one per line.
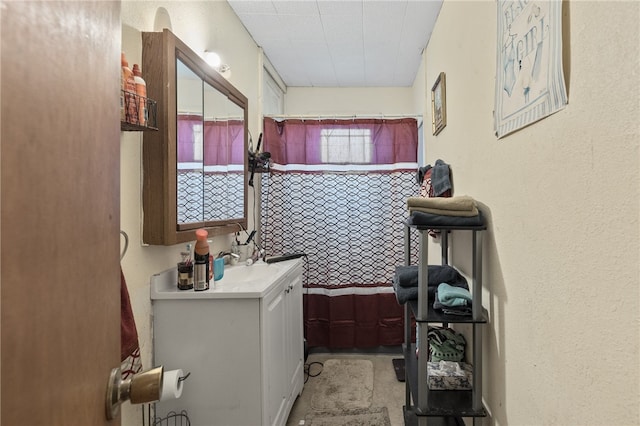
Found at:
<point>384,15</point>
<point>347,8</point>
<point>345,51</point>
<point>302,27</point>
<point>342,29</point>
<point>350,78</point>
<point>296,7</point>
<point>263,26</point>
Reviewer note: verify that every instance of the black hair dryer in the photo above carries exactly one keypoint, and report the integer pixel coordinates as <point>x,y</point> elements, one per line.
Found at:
<point>258,160</point>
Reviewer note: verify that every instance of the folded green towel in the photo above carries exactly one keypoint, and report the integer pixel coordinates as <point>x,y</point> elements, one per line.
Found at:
<point>453,296</point>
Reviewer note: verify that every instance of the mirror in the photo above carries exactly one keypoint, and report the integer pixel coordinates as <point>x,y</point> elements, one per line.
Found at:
<point>190,165</point>
<point>194,166</point>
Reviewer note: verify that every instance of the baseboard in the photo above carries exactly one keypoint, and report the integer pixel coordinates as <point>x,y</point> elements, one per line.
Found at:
<point>393,350</point>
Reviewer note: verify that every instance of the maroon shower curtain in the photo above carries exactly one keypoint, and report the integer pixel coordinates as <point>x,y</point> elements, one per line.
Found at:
<point>347,217</point>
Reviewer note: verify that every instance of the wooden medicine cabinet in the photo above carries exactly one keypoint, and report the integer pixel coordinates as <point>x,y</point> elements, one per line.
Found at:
<point>194,166</point>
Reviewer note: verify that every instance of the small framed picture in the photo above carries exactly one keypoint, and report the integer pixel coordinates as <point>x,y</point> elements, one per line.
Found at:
<point>438,105</point>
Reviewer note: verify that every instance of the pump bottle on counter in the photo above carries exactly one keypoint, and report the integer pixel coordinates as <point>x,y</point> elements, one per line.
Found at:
<point>201,261</point>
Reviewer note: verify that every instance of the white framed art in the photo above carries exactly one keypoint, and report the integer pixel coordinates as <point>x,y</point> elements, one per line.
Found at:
<point>529,74</point>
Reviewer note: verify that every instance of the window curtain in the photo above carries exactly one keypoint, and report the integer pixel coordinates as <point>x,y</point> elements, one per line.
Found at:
<point>223,142</point>
<point>337,191</point>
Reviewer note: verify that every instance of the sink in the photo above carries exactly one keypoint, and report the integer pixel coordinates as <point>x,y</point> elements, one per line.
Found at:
<point>239,281</point>
<point>243,273</point>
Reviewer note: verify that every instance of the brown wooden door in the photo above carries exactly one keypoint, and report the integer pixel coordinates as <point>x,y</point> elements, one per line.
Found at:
<point>60,220</point>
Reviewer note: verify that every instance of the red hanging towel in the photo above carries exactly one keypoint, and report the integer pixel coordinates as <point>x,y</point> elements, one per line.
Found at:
<point>129,346</point>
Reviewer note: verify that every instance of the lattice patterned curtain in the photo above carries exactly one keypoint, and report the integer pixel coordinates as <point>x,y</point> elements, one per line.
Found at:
<point>337,191</point>
<point>210,156</point>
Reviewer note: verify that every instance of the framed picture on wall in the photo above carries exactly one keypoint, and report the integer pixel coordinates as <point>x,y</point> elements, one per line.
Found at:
<point>438,105</point>
<point>530,82</point>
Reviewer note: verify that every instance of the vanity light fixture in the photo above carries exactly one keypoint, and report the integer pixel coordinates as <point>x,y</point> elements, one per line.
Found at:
<point>213,59</point>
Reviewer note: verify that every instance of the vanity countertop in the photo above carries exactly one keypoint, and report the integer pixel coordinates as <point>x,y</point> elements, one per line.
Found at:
<point>239,281</point>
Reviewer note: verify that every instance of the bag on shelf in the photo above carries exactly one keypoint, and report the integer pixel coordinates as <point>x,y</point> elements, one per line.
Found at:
<point>445,344</point>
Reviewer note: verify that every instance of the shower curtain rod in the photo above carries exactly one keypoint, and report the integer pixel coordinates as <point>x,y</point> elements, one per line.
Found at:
<point>352,116</point>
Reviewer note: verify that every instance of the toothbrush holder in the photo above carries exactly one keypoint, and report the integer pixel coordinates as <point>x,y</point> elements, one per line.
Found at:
<point>218,269</point>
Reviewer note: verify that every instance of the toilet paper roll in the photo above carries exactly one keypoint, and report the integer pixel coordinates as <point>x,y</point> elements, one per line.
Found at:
<point>171,385</point>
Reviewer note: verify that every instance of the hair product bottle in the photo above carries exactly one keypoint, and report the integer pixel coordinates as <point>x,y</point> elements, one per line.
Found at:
<point>185,270</point>
<point>130,107</point>
<point>141,91</point>
<point>201,261</point>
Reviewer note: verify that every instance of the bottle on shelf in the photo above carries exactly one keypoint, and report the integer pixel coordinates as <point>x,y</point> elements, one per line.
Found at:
<point>201,261</point>
<point>128,84</point>
<point>141,91</point>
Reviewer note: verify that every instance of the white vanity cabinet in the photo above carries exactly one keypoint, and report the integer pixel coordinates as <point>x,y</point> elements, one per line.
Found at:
<point>242,342</point>
<point>283,349</point>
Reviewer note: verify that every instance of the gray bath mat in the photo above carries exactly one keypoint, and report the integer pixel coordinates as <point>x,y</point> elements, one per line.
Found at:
<point>361,417</point>
<point>345,384</point>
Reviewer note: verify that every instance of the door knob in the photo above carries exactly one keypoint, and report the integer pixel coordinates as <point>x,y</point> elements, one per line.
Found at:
<point>142,387</point>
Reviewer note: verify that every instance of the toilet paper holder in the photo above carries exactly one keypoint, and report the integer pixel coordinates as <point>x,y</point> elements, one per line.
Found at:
<point>142,387</point>
<point>183,378</point>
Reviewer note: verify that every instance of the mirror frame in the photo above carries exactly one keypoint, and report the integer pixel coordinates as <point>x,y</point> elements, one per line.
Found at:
<point>160,50</point>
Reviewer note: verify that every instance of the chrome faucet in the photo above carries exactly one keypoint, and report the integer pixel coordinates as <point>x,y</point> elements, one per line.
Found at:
<point>232,257</point>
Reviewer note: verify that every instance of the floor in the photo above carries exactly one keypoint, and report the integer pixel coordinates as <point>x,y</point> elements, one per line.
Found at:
<point>387,390</point>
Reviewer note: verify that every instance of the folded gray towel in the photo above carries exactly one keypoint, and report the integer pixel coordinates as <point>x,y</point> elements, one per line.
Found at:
<point>405,280</point>
<point>404,294</point>
<point>428,219</point>
<point>407,276</point>
<point>441,212</point>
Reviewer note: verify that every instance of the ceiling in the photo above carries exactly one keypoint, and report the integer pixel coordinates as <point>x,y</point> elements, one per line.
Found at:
<point>343,43</point>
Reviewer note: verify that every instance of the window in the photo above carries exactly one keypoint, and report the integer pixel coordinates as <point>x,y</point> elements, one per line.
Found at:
<point>198,142</point>
<point>346,146</point>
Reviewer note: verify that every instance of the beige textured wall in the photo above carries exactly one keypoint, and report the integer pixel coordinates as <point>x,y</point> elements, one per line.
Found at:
<point>201,25</point>
<point>561,259</point>
<point>328,101</point>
